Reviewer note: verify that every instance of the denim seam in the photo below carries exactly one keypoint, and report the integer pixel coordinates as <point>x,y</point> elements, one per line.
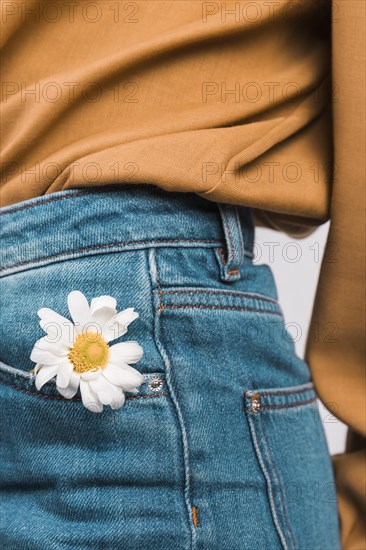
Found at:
<point>269,483</point>
<point>229,240</point>
<point>282,392</point>
<point>279,483</point>
<point>155,282</point>
<point>220,252</point>
<point>204,306</point>
<point>222,255</point>
<point>240,234</point>
<point>231,252</point>
<point>6,371</point>
<point>2,213</point>
<point>107,247</point>
<point>247,254</point>
<point>228,236</point>
<point>60,397</point>
<point>286,406</point>
<point>220,293</point>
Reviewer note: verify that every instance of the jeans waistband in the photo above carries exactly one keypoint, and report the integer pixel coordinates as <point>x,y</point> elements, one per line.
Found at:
<point>75,223</point>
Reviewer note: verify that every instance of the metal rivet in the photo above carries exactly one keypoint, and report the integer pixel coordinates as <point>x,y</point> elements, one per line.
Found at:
<point>156,383</point>
<point>256,403</point>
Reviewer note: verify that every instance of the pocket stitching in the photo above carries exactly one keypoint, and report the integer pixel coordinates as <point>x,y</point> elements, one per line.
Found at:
<point>206,306</point>
<point>221,292</point>
<point>267,399</point>
<point>309,387</point>
<point>285,406</point>
<point>297,404</point>
<point>279,481</point>
<point>271,496</point>
<point>10,376</point>
<point>60,397</point>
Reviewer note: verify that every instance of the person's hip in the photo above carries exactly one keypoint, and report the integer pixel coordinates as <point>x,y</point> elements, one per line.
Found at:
<point>221,446</point>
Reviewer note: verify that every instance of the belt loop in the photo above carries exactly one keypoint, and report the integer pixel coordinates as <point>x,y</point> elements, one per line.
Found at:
<point>231,259</point>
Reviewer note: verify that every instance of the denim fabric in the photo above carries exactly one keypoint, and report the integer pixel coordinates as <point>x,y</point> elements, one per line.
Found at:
<point>222,448</point>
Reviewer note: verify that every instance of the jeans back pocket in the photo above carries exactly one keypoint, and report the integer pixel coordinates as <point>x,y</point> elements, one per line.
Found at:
<point>291,450</point>
<point>75,479</point>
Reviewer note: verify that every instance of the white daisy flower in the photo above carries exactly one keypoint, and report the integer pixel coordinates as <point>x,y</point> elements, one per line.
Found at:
<point>78,353</point>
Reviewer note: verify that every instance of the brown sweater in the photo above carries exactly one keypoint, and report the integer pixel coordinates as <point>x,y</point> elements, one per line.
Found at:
<point>235,101</point>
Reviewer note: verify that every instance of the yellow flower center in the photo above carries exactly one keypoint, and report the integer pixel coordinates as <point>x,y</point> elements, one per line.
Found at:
<point>89,352</point>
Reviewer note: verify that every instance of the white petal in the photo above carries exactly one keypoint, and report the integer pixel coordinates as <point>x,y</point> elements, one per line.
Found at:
<point>57,348</point>
<point>48,314</point>
<point>56,325</point>
<point>133,390</point>
<point>118,398</point>
<point>103,389</point>
<point>102,317</point>
<point>45,357</point>
<point>128,378</point>
<point>112,330</point>
<point>72,388</point>
<point>91,374</point>
<point>64,374</point>
<point>118,326</point>
<point>126,316</point>
<point>127,352</point>
<point>102,302</point>
<point>45,374</point>
<point>36,368</point>
<point>58,331</point>
<point>89,398</point>
<point>124,366</point>
<point>79,309</point>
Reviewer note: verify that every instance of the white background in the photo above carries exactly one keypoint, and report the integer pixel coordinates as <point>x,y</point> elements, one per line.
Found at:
<point>296,266</point>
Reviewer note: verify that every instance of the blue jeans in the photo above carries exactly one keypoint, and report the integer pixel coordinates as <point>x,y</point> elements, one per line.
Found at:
<point>222,448</point>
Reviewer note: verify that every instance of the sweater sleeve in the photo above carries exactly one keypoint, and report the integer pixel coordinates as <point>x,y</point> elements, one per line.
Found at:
<point>337,363</point>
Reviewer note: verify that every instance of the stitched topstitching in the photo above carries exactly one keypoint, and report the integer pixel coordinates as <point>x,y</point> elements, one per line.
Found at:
<point>24,207</point>
<point>204,306</point>
<point>286,406</point>
<point>60,397</point>
<point>105,246</point>
<point>284,392</point>
<point>274,467</point>
<point>220,293</point>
